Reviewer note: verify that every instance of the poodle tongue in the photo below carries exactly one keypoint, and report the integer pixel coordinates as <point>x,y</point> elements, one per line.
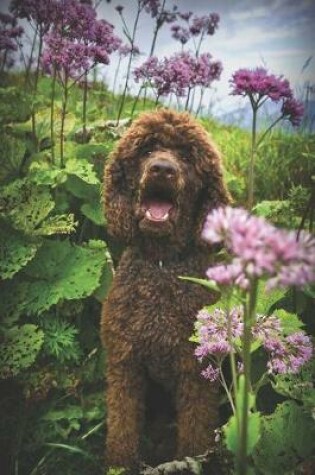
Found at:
<point>158,210</point>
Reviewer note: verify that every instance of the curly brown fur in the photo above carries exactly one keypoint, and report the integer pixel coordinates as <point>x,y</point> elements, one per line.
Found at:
<point>162,179</point>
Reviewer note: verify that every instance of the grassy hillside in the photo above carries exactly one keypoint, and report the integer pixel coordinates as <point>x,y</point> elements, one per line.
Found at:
<point>56,267</point>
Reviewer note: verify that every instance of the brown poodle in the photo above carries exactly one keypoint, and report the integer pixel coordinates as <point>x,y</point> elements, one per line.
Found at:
<point>160,182</point>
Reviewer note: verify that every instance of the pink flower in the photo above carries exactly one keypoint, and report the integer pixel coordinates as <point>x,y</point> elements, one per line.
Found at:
<point>211,373</point>
<point>259,85</point>
<point>259,249</point>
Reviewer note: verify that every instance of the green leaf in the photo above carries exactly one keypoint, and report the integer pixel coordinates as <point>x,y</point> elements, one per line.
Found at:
<point>265,300</point>
<point>209,284</point>
<point>60,271</point>
<point>19,349</point>
<point>298,386</point>
<point>83,170</point>
<point>289,321</point>
<point>94,212</point>
<point>106,279</point>
<point>83,190</point>
<point>58,224</point>
<point>16,250</point>
<point>12,300</point>
<point>45,174</point>
<point>288,436</point>
<point>25,204</point>
<point>231,430</point>
<point>61,340</point>
<point>232,437</point>
<point>70,448</point>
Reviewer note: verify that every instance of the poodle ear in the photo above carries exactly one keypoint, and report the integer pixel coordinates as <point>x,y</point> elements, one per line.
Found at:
<point>214,192</point>
<point>118,201</point>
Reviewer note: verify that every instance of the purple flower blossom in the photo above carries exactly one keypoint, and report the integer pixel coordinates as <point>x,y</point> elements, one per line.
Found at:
<point>179,72</point>
<point>206,24</point>
<point>289,355</point>
<point>185,16</point>
<point>77,40</point>
<point>212,332</point>
<point>119,9</point>
<point>259,249</point>
<point>286,353</point>
<point>259,82</point>
<point>9,35</point>
<point>39,12</point>
<point>211,373</point>
<point>125,50</point>
<point>258,85</point>
<point>293,110</point>
<point>180,34</point>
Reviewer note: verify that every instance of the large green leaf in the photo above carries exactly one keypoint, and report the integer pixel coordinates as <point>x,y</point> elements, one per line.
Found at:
<point>58,224</point>
<point>19,349</point>
<point>16,250</point>
<point>298,386</point>
<point>25,204</point>
<point>288,436</point>
<point>83,170</point>
<point>60,271</point>
<point>94,212</point>
<point>12,300</point>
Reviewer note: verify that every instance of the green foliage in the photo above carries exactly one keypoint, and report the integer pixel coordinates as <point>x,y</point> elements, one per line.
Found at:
<point>288,436</point>
<point>61,340</point>
<point>61,271</point>
<point>19,349</point>
<point>232,428</point>
<point>16,250</point>
<point>298,386</point>
<point>15,105</point>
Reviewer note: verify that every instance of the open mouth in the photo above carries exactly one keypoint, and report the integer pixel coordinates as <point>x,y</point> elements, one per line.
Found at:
<point>158,204</point>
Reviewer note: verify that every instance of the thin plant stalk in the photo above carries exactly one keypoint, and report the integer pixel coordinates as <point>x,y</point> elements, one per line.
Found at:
<point>251,171</point>
<point>84,104</point>
<point>36,78</point>
<point>249,318</point>
<point>158,25</point>
<point>135,102</point>
<point>132,41</point>
<point>52,114</point>
<point>63,118</point>
<point>116,75</point>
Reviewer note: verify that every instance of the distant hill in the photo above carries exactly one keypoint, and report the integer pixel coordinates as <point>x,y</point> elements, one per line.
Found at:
<point>270,111</point>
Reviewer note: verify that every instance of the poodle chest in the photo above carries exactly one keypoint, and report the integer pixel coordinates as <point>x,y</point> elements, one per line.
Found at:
<point>157,309</point>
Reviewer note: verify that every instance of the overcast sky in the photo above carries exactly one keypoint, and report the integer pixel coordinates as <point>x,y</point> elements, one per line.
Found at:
<point>277,34</point>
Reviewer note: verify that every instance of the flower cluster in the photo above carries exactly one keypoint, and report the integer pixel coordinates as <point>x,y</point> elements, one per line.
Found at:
<point>259,249</point>
<point>179,72</point>
<point>180,33</point>
<point>39,12</point>
<point>10,32</point>
<point>218,333</point>
<point>78,40</point>
<point>206,24</point>
<point>259,85</point>
<point>196,26</point>
<point>126,50</point>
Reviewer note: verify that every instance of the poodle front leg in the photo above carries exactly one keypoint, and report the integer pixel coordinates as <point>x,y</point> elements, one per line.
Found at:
<point>197,410</point>
<point>125,414</point>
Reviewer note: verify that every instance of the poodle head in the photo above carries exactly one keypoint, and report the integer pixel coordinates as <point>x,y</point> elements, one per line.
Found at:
<point>162,179</point>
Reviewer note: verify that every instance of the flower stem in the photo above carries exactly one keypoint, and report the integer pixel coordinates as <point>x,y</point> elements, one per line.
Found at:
<point>52,114</point>
<point>251,172</point>
<point>63,118</point>
<point>249,317</point>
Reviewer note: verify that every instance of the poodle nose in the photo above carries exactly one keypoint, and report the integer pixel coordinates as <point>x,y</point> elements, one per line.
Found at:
<point>162,169</point>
